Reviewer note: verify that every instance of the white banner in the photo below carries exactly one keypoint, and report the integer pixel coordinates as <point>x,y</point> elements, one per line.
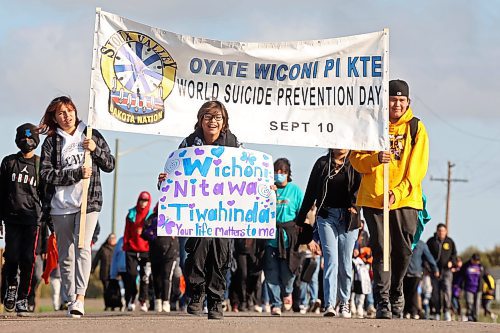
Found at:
<point>215,191</point>
<point>316,93</point>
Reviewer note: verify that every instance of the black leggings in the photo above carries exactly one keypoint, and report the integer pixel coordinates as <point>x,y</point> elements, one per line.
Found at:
<point>133,260</point>
<point>163,273</point>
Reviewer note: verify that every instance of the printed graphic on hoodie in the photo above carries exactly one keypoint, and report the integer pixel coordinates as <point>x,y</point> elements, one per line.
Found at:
<point>397,145</point>
<point>73,155</point>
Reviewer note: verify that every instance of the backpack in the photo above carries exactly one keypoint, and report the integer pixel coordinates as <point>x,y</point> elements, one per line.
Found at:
<point>413,129</point>
<point>112,295</point>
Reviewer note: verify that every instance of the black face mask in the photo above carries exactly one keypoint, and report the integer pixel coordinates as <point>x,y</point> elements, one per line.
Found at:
<point>26,146</point>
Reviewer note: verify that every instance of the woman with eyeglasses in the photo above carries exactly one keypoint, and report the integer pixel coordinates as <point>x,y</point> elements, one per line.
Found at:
<point>63,172</point>
<point>208,258</point>
<point>332,187</point>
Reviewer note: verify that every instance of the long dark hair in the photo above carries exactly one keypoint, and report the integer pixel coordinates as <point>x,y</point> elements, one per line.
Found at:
<point>208,106</point>
<point>48,124</point>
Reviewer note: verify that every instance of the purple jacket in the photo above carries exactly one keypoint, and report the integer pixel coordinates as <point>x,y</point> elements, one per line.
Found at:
<point>472,275</point>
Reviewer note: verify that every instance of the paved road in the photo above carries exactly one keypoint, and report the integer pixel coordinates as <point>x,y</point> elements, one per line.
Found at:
<point>233,323</point>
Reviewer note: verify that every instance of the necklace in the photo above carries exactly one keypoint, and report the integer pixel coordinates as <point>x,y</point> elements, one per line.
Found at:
<point>338,165</point>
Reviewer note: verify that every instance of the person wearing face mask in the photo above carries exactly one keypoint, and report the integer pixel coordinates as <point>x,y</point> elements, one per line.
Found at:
<point>332,188</point>
<point>20,210</point>
<point>137,251</point>
<point>277,270</point>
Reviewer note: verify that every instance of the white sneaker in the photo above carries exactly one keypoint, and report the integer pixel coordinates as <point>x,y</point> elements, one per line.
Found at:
<point>144,307</point>
<point>257,308</point>
<point>316,307</point>
<point>158,307</point>
<point>447,316</point>
<point>76,308</point>
<point>166,306</point>
<point>371,311</point>
<point>276,311</point>
<point>345,310</point>
<point>205,310</point>
<point>267,308</point>
<point>287,302</point>
<point>330,312</point>
<point>302,309</point>
<point>131,306</point>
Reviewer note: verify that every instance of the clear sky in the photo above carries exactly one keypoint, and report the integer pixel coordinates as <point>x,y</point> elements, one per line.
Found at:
<point>448,51</point>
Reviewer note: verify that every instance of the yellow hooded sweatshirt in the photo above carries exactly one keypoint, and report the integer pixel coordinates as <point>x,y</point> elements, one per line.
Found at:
<point>408,167</point>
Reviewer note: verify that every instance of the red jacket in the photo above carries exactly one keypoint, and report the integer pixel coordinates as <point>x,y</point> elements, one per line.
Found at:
<point>134,223</point>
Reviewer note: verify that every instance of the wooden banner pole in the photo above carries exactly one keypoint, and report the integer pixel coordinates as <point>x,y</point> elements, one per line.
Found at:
<point>387,245</point>
<point>86,183</point>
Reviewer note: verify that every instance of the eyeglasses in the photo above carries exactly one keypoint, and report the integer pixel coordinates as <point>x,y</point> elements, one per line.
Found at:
<point>209,117</point>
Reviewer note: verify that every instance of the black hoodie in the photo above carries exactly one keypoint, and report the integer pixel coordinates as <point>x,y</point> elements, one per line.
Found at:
<point>19,190</point>
<point>443,251</point>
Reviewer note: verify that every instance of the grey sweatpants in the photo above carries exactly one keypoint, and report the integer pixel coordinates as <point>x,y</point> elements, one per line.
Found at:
<point>75,263</point>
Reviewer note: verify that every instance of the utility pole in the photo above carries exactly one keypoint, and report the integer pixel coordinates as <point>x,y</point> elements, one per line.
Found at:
<point>119,154</point>
<point>448,180</point>
<point>115,185</point>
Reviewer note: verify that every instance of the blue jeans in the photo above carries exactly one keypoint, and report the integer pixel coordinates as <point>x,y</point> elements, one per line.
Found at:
<point>278,276</point>
<point>228,284</point>
<point>337,245</point>
<point>310,289</point>
<point>369,299</point>
<point>265,293</point>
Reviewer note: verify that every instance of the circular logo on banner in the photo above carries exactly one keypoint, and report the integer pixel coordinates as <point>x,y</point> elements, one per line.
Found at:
<point>140,75</point>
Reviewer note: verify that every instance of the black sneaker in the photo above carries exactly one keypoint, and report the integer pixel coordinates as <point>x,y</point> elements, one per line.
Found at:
<point>22,308</point>
<point>9,302</point>
<point>215,311</point>
<point>397,304</point>
<point>195,306</point>
<point>383,311</point>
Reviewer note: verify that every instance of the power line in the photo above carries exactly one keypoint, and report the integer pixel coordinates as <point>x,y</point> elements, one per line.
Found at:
<point>471,134</point>
<point>480,190</point>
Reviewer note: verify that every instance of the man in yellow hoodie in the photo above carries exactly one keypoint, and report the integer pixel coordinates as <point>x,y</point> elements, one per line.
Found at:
<point>408,159</point>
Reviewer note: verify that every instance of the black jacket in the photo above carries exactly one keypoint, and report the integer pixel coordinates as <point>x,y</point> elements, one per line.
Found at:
<point>316,186</point>
<point>196,138</point>
<point>443,251</point>
<point>20,190</point>
<point>104,256</point>
<point>52,173</point>
<point>161,248</point>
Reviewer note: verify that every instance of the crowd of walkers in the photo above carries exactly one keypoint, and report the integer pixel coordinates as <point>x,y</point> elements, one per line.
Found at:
<point>326,257</point>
